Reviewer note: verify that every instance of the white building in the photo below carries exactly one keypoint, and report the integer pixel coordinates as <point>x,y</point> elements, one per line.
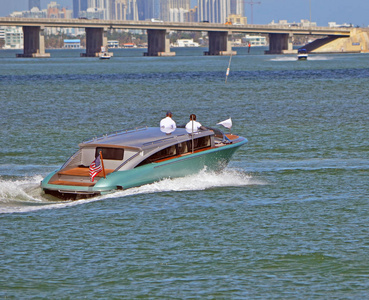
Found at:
<point>2,33</point>
<point>255,40</point>
<point>113,44</point>
<point>13,38</point>
<point>302,23</point>
<point>335,25</point>
<point>185,43</point>
<point>72,44</point>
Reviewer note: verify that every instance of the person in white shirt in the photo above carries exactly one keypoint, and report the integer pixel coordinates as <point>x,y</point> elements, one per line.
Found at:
<point>167,124</point>
<point>193,125</point>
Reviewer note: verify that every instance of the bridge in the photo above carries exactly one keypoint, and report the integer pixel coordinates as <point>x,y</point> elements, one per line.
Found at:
<point>280,37</point>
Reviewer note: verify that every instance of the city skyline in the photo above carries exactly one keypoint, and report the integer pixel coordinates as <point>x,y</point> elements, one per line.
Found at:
<point>354,12</point>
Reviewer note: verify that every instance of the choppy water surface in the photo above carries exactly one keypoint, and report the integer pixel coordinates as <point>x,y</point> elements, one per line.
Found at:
<point>288,218</point>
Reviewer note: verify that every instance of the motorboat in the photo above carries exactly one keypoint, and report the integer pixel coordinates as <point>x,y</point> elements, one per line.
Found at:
<point>139,156</point>
<point>302,54</point>
<point>104,55</point>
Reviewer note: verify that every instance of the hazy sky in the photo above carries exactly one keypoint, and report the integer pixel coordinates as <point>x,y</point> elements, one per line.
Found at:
<point>322,11</point>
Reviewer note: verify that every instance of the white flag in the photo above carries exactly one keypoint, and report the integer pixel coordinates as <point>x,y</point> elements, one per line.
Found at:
<point>226,123</point>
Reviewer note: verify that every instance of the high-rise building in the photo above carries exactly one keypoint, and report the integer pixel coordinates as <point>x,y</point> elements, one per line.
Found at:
<point>237,7</point>
<point>192,15</point>
<point>170,8</point>
<point>78,6</point>
<point>34,3</point>
<point>53,10</point>
<point>214,11</point>
<point>148,9</point>
<point>125,10</point>
<point>104,7</point>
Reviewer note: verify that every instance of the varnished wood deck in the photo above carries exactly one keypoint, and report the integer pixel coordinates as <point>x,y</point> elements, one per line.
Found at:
<point>232,136</point>
<point>80,171</point>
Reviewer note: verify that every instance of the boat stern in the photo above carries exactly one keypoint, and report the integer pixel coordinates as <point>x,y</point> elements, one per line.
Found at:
<point>66,186</point>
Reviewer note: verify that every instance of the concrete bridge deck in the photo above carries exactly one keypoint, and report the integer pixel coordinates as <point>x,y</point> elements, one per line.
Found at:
<point>280,37</point>
<point>172,26</point>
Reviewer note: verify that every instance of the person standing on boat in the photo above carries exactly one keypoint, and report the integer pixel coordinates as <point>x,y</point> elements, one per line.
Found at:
<point>193,125</point>
<point>167,124</point>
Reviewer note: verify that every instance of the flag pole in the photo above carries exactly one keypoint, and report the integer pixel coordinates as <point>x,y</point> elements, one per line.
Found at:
<point>192,135</point>
<point>102,164</point>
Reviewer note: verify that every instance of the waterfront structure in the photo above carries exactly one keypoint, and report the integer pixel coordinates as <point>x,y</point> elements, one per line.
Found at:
<point>185,43</point>
<point>13,37</point>
<point>34,3</point>
<point>2,33</point>
<point>113,44</point>
<point>78,7</point>
<point>255,40</point>
<point>72,44</point>
<point>129,45</point>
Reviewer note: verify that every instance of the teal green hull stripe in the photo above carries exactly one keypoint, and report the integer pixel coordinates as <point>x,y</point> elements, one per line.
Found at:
<point>214,159</point>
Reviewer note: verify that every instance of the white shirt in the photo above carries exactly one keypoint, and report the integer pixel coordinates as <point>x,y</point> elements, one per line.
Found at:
<point>196,126</point>
<point>168,123</point>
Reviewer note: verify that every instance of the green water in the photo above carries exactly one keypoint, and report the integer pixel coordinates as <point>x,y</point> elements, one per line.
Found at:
<point>288,218</point>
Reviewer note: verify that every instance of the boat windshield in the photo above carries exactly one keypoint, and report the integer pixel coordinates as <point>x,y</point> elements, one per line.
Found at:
<point>217,132</point>
<point>302,51</point>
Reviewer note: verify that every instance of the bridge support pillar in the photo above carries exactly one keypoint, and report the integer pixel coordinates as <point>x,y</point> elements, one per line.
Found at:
<point>219,44</point>
<point>96,38</point>
<point>33,42</point>
<point>158,43</point>
<point>280,43</point>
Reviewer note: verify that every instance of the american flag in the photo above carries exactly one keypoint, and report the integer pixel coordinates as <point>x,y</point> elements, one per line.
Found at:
<point>95,168</point>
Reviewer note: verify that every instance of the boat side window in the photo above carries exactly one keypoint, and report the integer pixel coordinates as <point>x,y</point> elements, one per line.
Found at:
<point>110,153</point>
<point>162,154</point>
<point>178,149</point>
<point>182,148</point>
<point>201,143</point>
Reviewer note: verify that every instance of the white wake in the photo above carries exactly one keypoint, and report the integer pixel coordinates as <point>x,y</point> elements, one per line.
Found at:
<point>294,58</point>
<point>26,196</point>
